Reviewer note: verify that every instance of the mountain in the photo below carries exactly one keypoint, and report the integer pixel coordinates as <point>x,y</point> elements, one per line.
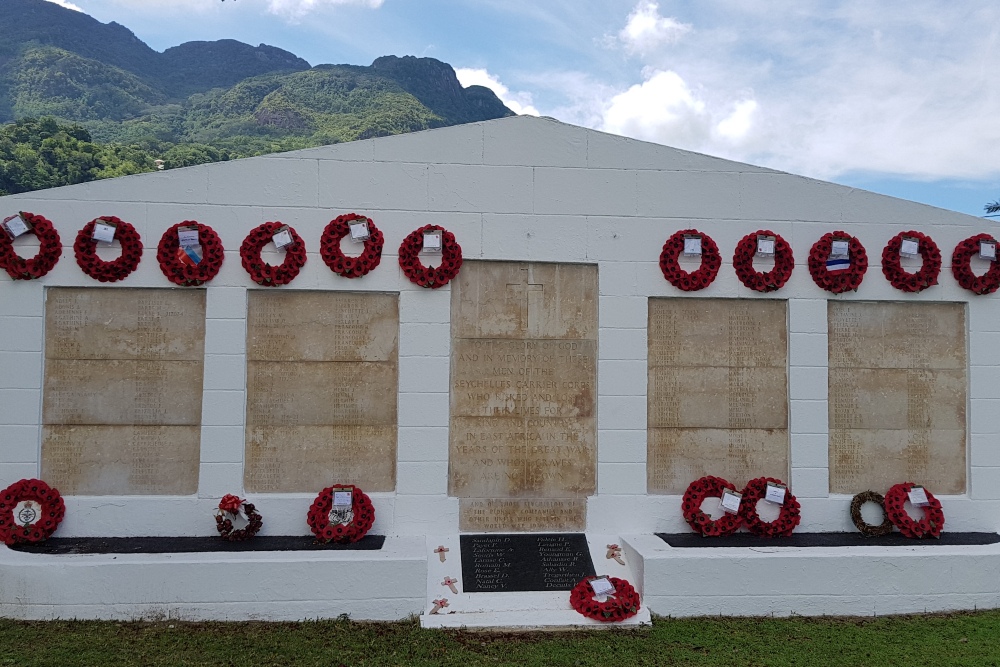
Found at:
<point>230,98</point>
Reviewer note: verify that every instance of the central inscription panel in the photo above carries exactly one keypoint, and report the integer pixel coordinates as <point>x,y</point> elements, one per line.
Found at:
<point>513,563</point>
<point>321,390</point>
<point>717,391</point>
<point>123,387</point>
<point>522,452</point>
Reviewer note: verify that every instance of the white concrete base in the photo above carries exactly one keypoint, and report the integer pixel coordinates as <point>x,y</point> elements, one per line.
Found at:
<point>784,581</point>
<point>388,584</point>
<point>537,610</point>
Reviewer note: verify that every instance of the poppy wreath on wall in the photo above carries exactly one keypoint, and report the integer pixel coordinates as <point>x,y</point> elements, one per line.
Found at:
<point>696,493</point>
<point>623,604</point>
<point>234,511</point>
<point>429,276</point>
<point>49,250</point>
<point>844,279</point>
<point>30,511</point>
<point>85,248</point>
<point>901,279</point>
<point>266,274</point>
<point>961,266</point>
<point>865,528</point>
<point>775,279</point>
<point>343,524</point>
<point>691,281</point>
<point>334,257</point>
<point>788,517</point>
<point>929,526</point>
<point>180,266</point>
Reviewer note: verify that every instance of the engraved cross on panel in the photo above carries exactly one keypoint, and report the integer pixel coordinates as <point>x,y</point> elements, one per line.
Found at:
<point>530,296</point>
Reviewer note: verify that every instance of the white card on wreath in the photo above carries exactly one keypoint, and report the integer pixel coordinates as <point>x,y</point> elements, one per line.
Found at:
<point>282,238</point>
<point>359,230</point>
<point>730,501</point>
<point>918,497</point>
<point>27,512</point>
<point>15,226</point>
<point>988,250</point>
<point>602,586</point>
<point>909,248</point>
<point>840,250</point>
<point>432,241</point>
<point>240,520</point>
<point>775,494</point>
<point>187,237</point>
<point>104,232</point>
<point>342,498</point>
<point>765,245</point>
<point>692,245</point>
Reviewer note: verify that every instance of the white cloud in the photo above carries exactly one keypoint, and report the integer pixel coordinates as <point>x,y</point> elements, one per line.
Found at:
<point>646,30</point>
<point>519,102</point>
<point>296,9</point>
<point>67,5</point>
<point>662,108</point>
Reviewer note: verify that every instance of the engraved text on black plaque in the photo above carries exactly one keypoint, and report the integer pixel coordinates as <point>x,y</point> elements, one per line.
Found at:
<point>509,563</point>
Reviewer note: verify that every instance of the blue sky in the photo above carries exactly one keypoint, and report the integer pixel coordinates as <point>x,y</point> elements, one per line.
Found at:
<point>899,98</point>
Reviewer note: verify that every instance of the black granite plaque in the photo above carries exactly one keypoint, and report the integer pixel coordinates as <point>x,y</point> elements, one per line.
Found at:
<point>508,563</point>
<point>695,540</point>
<point>180,545</point>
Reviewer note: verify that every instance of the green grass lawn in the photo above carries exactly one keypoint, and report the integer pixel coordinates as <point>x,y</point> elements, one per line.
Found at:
<point>934,640</point>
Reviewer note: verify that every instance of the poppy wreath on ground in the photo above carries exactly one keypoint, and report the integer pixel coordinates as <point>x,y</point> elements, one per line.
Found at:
<point>358,522</point>
<point>184,273</point>
<point>929,526</point>
<point>775,279</point>
<point>787,519</point>
<point>260,271</point>
<point>49,250</point>
<point>902,280</point>
<point>865,528</point>
<point>843,280</point>
<point>692,281</point>
<point>37,519</point>
<point>429,276</point>
<point>961,266</point>
<point>341,264</point>
<point>229,510</point>
<point>85,248</point>
<point>623,604</point>
<point>697,491</point>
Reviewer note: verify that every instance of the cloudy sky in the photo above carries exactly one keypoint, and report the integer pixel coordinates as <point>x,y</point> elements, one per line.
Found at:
<point>900,98</point>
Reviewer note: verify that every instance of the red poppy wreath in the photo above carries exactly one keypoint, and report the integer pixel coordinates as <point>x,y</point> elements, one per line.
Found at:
<point>334,257</point>
<point>787,519</point>
<point>343,524</point>
<point>182,266</point>
<point>961,266</point>
<point>30,511</point>
<point>775,279</point>
<point>233,511</point>
<point>842,278</point>
<point>623,604</point>
<point>49,250</point>
<point>697,491</point>
<point>85,248</point>
<point>902,280</point>
<point>260,271</point>
<point>929,526</point>
<point>429,276</point>
<point>695,280</point>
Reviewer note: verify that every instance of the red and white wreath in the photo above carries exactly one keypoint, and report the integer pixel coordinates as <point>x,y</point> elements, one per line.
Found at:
<point>696,493</point>
<point>85,248</point>
<point>330,522</point>
<point>429,276</point>
<point>788,517</point>
<point>30,511</point>
<point>623,603</point>
<point>179,265</point>
<point>843,279</point>
<point>266,274</point>
<point>334,257</point>
<point>775,279</point>
<point>901,279</point>
<point>236,519</point>
<point>961,266</point>
<point>49,250</point>
<point>695,280</point>
<point>929,526</point>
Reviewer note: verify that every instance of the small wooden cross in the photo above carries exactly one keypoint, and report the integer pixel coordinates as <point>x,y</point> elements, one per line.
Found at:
<point>441,551</point>
<point>615,551</point>
<point>439,605</point>
<point>450,583</point>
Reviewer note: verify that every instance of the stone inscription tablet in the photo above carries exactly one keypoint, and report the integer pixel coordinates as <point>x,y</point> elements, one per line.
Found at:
<point>512,563</point>
<point>717,391</point>
<point>523,394</point>
<point>321,390</point>
<point>897,395</point>
<point>123,390</point>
